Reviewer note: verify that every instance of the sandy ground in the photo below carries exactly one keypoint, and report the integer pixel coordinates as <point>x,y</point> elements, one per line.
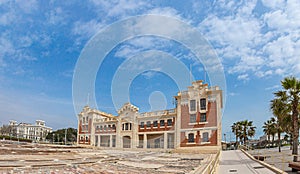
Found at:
<point>34,158</point>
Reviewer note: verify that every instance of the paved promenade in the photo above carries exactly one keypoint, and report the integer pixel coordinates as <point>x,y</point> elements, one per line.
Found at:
<point>235,161</point>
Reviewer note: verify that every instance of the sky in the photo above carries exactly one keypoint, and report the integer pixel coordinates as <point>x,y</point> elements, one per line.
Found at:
<point>254,43</point>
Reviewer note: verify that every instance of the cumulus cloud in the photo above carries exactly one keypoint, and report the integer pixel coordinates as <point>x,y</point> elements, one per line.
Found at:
<point>240,37</point>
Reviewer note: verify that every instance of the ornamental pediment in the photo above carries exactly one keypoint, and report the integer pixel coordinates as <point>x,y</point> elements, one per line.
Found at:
<point>127,108</point>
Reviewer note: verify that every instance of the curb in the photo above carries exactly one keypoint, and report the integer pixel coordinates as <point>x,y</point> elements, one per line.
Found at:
<point>274,169</point>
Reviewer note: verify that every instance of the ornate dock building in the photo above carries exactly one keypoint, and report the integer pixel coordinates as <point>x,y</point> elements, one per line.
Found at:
<point>195,121</point>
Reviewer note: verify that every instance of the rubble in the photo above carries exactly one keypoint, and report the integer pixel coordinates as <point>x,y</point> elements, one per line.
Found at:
<point>36,158</point>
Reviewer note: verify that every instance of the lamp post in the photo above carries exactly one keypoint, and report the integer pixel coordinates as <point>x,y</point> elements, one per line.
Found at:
<point>66,136</point>
<point>53,138</point>
<point>225,142</point>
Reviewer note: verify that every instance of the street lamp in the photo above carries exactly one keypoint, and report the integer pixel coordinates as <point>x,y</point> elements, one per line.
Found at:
<point>225,142</point>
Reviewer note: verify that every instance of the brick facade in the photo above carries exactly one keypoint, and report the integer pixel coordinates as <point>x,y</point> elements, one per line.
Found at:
<point>196,121</point>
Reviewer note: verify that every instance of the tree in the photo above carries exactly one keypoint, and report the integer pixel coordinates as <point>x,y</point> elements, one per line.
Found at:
<point>58,135</point>
<point>291,87</point>
<point>243,130</point>
<point>236,128</point>
<point>273,129</point>
<point>267,130</point>
<point>248,130</point>
<point>281,111</point>
<point>8,130</point>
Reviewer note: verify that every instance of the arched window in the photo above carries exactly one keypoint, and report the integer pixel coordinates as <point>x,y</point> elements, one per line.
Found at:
<point>191,138</point>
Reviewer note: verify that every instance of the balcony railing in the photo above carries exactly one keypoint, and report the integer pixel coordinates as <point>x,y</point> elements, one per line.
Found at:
<point>158,113</point>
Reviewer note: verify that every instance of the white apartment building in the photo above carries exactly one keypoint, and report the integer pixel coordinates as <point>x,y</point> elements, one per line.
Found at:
<point>36,132</point>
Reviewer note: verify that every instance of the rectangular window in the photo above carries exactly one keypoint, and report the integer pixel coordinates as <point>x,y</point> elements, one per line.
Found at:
<point>162,123</point>
<point>203,104</point>
<point>155,123</point>
<point>126,126</point>
<point>148,124</point>
<point>192,118</point>
<point>142,125</point>
<point>205,137</point>
<point>191,138</point>
<point>203,117</point>
<point>169,122</point>
<point>193,105</point>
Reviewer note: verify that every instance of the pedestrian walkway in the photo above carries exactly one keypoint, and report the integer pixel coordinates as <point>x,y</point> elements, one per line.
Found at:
<point>235,161</point>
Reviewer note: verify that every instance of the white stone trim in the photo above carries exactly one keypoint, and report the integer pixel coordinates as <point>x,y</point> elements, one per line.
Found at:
<point>203,122</point>
<point>202,128</point>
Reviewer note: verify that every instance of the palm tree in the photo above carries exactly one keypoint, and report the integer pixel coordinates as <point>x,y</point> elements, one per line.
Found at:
<point>248,130</point>
<point>267,130</point>
<point>236,128</point>
<point>281,111</point>
<point>273,129</point>
<point>291,86</point>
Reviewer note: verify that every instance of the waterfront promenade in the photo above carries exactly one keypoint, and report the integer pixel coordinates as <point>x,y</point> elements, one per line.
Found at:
<point>235,161</point>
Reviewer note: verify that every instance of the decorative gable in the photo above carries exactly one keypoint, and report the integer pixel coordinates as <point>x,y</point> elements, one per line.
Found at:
<point>127,107</point>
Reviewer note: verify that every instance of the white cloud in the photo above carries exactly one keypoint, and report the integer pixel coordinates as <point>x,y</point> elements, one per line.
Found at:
<point>29,6</point>
<point>274,4</point>
<point>272,87</point>
<point>244,77</point>
<point>139,44</point>
<point>232,94</point>
<point>119,8</point>
<point>149,74</point>
<point>86,29</point>
<point>7,18</point>
<point>68,73</point>
<point>57,16</point>
<point>263,46</point>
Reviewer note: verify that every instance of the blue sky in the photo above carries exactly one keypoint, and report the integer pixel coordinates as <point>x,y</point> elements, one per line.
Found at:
<point>257,43</point>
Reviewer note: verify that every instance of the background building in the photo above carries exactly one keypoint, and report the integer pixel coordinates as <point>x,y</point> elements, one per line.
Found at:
<point>36,132</point>
<point>196,121</point>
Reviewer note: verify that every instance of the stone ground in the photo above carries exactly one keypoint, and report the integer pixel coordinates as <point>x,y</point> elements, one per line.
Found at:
<point>34,158</point>
<point>278,159</point>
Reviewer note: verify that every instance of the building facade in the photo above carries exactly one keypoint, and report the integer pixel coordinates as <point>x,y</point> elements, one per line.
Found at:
<point>195,121</point>
<point>35,132</point>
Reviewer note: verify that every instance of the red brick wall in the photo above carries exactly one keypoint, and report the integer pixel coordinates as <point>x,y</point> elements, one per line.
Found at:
<point>214,137</point>
<point>80,127</point>
<point>211,117</point>
<point>90,126</point>
<point>212,140</point>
